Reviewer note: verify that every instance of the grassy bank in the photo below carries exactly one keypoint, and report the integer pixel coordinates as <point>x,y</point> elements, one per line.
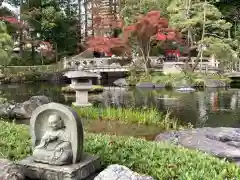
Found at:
<point>95,89</point>
<point>161,161</point>
<point>134,116</point>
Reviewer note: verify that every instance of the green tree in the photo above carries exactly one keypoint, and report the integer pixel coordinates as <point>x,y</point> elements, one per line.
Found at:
<point>201,24</point>
<point>132,8</point>
<point>5,45</point>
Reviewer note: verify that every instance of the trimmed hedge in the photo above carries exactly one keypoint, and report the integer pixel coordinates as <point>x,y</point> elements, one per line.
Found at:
<point>161,161</point>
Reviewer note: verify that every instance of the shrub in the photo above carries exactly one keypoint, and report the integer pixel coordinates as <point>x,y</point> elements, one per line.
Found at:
<point>159,160</point>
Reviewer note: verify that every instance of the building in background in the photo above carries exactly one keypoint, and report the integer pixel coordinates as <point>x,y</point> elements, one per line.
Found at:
<point>98,17</point>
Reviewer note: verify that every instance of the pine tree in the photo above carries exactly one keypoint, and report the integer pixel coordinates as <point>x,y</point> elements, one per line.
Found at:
<point>202,25</point>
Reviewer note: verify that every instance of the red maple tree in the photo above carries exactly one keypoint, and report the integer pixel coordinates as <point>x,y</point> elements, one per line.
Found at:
<point>148,27</point>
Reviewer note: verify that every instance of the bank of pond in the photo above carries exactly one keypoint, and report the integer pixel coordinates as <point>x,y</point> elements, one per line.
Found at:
<point>160,160</point>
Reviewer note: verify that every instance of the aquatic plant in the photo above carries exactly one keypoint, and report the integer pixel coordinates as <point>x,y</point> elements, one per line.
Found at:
<point>130,115</point>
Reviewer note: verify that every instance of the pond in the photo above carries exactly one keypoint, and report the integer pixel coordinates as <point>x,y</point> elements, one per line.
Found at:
<point>211,107</point>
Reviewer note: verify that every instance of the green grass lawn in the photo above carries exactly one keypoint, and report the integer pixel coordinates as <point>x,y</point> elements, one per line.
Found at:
<point>161,161</point>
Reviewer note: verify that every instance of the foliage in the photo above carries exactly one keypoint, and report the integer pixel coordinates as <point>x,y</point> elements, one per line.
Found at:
<point>54,20</point>
<point>133,8</point>
<point>18,70</point>
<point>172,79</point>
<point>5,45</point>
<point>149,27</point>
<point>27,60</point>
<point>202,24</point>
<point>159,160</point>
<point>194,79</point>
<point>106,45</point>
<point>15,141</point>
<point>130,115</point>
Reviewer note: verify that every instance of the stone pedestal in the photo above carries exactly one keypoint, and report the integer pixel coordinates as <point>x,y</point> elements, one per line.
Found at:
<point>82,170</point>
<point>81,95</point>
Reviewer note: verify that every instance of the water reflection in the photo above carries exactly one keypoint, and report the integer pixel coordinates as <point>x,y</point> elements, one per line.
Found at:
<point>211,107</point>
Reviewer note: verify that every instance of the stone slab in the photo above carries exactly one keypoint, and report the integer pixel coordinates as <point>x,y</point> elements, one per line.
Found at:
<point>88,166</point>
<point>119,172</point>
<point>222,142</point>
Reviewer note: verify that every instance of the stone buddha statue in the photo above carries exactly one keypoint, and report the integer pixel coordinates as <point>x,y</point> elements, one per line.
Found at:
<point>55,147</point>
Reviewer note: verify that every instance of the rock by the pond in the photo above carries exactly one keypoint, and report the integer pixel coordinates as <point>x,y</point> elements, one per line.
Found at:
<point>159,85</point>
<point>22,110</point>
<point>212,83</point>
<point>145,85</point>
<point>222,142</point>
<point>10,171</point>
<point>120,82</point>
<point>119,172</point>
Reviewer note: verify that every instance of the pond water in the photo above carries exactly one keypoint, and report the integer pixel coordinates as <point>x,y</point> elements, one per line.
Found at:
<point>211,107</point>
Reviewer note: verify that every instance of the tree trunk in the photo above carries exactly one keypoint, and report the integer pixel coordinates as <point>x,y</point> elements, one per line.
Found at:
<point>21,30</point>
<point>86,18</point>
<point>79,36</point>
<point>196,62</point>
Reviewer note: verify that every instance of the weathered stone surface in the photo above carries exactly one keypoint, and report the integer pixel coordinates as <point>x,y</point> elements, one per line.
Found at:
<point>57,139</point>
<point>22,110</point>
<point>119,172</point>
<point>159,85</point>
<point>222,142</point>
<point>81,170</point>
<point>81,82</point>
<point>10,171</point>
<point>120,82</point>
<point>146,85</point>
<point>212,83</point>
<point>69,137</point>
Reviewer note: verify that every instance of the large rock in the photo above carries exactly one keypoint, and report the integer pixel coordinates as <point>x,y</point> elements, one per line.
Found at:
<point>221,142</point>
<point>145,85</point>
<point>119,172</point>
<point>10,171</point>
<point>22,110</point>
<point>120,82</point>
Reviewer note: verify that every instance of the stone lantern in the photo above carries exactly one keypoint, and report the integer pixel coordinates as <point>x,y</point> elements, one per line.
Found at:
<point>81,82</point>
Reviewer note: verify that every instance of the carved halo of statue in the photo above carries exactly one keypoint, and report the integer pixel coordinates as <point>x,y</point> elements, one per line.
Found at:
<point>57,135</point>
